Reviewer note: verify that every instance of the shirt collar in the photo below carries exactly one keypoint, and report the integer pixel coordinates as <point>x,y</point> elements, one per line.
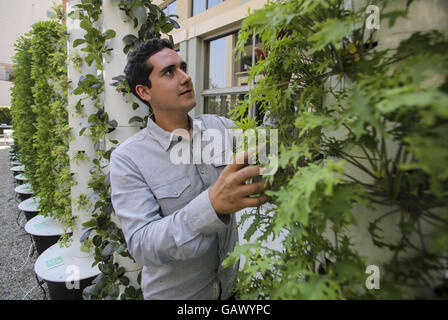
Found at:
<point>165,138</point>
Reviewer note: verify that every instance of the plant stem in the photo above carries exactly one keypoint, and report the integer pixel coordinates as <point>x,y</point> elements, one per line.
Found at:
<point>357,164</point>
<point>372,163</point>
<point>361,183</point>
<point>433,216</point>
<point>420,234</point>
<point>399,173</point>
<point>386,214</point>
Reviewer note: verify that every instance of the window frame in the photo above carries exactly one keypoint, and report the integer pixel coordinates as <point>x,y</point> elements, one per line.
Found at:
<point>8,71</point>
<point>235,90</point>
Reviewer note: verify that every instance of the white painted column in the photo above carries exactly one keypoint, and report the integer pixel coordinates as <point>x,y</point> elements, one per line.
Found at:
<point>119,108</point>
<point>195,59</point>
<point>83,143</point>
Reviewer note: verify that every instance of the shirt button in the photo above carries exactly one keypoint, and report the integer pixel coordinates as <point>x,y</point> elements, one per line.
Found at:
<point>202,172</point>
<point>176,193</point>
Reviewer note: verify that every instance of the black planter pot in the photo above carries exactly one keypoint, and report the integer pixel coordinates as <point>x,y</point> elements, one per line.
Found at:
<point>20,179</point>
<point>45,231</point>
<point>66,270</point>
<point>17,170</point>
<point>23,197</point>
<point>44,242</point>
<point>29,206</point>
<point>59,290</point>
<point>30,214</point>
<point>24,191</point>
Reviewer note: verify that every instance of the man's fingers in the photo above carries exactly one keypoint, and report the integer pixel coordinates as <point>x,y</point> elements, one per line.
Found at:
<point>252,188</point>
<point>246,173</point>
<point>243,158</point>
<point>255,201</point>
<point>239,160</point>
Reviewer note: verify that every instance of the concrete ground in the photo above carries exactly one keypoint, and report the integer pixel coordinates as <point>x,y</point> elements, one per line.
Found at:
<point>17,258</point>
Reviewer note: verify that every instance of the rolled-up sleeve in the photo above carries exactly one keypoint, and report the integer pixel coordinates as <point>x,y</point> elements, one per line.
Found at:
<point>153,239</point>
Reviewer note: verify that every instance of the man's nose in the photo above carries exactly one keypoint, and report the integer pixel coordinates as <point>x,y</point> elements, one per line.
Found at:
<point>185,77</point>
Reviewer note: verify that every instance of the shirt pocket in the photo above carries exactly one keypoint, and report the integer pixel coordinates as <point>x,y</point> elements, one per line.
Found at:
<point>173,195</point>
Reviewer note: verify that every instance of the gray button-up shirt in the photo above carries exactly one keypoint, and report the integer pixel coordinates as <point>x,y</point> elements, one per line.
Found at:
<point>166,215</point>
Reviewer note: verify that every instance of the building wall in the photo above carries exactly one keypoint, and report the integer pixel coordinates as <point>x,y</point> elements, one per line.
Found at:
<point>16,17</point>
<point>220,18</point>
<point>5,95</point>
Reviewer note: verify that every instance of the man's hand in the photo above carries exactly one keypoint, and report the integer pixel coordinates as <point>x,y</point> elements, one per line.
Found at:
<point>230,193</point>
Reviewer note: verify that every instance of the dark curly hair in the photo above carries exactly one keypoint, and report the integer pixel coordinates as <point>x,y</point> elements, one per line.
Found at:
<point>138,68</point>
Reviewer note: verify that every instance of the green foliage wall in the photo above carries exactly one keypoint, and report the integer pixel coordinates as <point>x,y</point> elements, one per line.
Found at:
<point>22,102</point>
<point>5,115</point>
<point>40,117</point>
<point>51,180</point>
<point>359,127</point>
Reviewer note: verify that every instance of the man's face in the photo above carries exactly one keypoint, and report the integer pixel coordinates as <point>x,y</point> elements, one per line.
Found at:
<point>171,86</point>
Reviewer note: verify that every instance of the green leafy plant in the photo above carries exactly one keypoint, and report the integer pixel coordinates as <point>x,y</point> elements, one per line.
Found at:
<point>361,137</point>
<point>40,118</point>
<point>80,156</point>
<point>22,102</point>
<point>151,19</point>
<point>5,115</point>
<point>52,179</point>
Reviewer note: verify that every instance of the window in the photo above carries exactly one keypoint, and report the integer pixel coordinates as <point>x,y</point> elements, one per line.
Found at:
<point>6,72</point>
<point>217,66</point>
<point>243,65</point>
<point>171,8</point>
<point>226,80</point>
<point>221,104</point>
<point>198,6</point>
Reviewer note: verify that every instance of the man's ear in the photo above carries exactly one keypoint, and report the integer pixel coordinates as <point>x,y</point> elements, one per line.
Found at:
<point>144,92</point>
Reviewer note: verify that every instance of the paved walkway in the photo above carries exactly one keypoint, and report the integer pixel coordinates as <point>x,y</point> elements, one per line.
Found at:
<point>17,280</point>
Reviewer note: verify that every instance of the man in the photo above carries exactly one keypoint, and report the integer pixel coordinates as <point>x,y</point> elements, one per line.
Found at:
<point>177,219</point>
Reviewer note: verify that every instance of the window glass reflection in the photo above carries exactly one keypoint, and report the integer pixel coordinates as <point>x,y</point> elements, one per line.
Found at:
<point>221,104</point>
<point>212,3</point>
<point>198,6</point>
<point>171,8</point>
<point>217,64</point>
<point>243,64</point>
<point>201,5</point>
